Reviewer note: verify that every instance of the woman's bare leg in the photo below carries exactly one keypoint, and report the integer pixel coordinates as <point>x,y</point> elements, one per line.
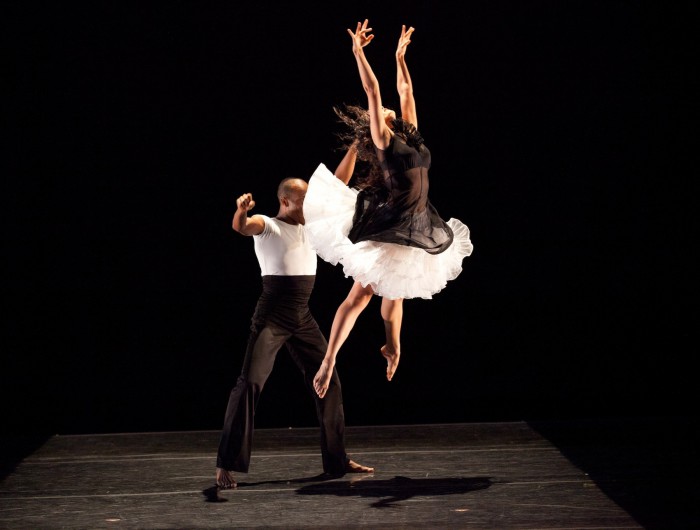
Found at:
<point>344,320</point>
<point>392,314</point>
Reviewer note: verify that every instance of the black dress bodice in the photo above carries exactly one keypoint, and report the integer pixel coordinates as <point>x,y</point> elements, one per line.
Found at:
<point>400,211</point>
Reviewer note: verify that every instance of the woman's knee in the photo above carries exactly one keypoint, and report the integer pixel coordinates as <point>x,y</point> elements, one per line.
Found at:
<point>359,296</point>
<point>392,309</point>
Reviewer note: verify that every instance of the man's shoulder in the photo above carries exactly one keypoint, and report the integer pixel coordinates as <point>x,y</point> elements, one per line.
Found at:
<point>276,227</point>
<point>268,223</point>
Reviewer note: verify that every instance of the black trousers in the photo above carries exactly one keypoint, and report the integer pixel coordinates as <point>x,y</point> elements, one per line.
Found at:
<point>282,317</point>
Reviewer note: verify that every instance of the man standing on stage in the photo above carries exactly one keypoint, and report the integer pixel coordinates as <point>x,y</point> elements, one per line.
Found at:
<point>282,317</point>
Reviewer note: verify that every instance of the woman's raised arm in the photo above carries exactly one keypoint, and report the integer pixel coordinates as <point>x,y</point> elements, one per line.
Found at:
<point>361,37</point>
<point>404,86</point>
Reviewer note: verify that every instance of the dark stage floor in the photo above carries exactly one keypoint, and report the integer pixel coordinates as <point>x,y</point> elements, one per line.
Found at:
<point>623,473</point>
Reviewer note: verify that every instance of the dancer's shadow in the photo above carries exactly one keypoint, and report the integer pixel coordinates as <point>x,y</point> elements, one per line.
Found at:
<point>389,492</point>
<point>211,494</point>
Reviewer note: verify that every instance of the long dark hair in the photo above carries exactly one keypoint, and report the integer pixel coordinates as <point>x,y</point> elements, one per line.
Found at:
<point>357,136</point>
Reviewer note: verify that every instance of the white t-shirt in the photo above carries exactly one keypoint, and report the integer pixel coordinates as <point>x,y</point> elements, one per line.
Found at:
<point>283,250</point>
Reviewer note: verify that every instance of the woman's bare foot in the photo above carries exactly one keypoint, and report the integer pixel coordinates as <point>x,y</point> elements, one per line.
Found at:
<point>392,361</point>
<point>224,479</point>
<point>322,379</point>
<point>354,467</point>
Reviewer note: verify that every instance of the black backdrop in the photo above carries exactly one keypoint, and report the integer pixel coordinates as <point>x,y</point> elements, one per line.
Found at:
<point>133,127</point>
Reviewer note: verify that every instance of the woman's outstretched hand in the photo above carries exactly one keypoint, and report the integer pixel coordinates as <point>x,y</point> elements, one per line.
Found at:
<point>404,41</point>
<point>361,37</point>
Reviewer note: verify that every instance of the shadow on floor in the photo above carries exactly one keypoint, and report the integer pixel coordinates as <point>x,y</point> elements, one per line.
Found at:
<point>388,492</point>
<point>392,491</point>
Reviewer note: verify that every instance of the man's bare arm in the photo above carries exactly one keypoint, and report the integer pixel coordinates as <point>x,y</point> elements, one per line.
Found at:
<point>247,226</point>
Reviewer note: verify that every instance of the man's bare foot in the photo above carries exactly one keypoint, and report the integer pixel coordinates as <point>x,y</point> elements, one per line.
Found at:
<point>392,361</point>
<point>224,479</point>
<point>322,379</point>
<point>354,467</point>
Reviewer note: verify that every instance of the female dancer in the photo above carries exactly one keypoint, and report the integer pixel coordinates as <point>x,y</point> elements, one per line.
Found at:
<point>386,233</point>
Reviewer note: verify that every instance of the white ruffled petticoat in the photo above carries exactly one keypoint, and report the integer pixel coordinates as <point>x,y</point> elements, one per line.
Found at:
<point>393,271</point>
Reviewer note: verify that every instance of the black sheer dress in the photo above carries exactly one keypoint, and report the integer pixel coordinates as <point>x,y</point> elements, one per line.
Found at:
<point>401,211</point>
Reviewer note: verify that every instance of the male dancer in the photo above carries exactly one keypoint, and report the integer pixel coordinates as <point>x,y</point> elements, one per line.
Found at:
<point>282,316</point>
